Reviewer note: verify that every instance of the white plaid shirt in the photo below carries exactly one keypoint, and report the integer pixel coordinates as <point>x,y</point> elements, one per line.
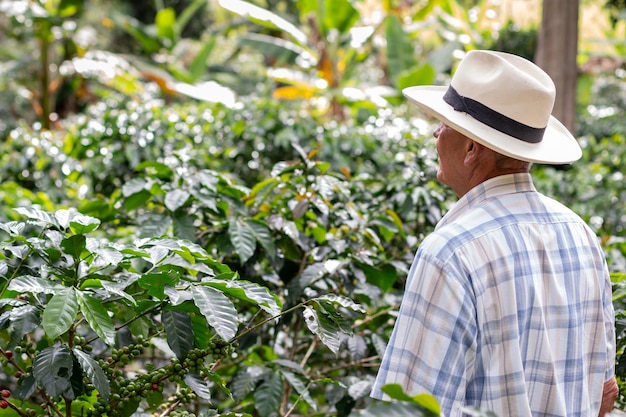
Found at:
<point>507,307</point>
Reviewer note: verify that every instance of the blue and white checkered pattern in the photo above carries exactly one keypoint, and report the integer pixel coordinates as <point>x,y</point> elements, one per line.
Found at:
<point>507,307</point>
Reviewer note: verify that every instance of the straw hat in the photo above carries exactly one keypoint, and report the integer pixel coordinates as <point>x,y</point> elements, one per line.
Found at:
<point>504,102</point>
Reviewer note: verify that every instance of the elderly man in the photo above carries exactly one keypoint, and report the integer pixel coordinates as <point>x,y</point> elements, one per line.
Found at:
<point>507,306</point>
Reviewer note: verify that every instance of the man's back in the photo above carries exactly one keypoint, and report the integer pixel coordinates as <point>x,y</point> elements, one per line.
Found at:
<point>505,308</point>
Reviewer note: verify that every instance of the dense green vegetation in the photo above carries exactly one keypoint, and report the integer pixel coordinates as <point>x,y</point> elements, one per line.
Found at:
<point>217,218</point>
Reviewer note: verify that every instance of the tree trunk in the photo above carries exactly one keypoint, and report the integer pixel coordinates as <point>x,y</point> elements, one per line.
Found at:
<point>557,48</point>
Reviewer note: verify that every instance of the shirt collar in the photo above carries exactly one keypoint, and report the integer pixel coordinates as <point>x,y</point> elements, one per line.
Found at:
<point>493,187</point>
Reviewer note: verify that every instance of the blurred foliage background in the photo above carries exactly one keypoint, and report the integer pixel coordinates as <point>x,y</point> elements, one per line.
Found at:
<point>269,141</point>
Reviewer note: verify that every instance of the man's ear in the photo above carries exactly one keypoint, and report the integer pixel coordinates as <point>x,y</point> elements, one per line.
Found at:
<point>473,151</point>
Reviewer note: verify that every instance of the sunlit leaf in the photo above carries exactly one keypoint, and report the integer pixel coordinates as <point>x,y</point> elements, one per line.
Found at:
<point>24,320</point>
<point>27,283</point>
<point>263,16</point>
<point>37,214</point>
<point>198,385</point>
<point>60,313</point>
<point>175,199</point>
<point>248,291</point>
<point>218,310</point>
<point>164,21</point>
<point>327,331</point>
<point>97,317</point>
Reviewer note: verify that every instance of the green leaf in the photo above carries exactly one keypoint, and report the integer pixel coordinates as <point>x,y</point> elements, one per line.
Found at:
<point>164,21</point>
<point>198,385</point>
<point>38,215</point>
<point>400,50</point>
<point>94,372</point>
<point>242,238</point>
<point>35,285</point>
<point>323,327</point>
<point>268,395</point>
<point>134,186</point>
<point>218,310</point>
<point>427,403</point>
<point>264,17</point>
<point>155,283</point>
<point>97,317</point>
<point>342,301</point>
<point>250,292</point>
<point>52,368</point>
<point>153,398</point>
<point>82,224</point>
<point>339,15</point>
<point>383,276</point>
<point>23,320</point>
<point>26,386</point>
<point>198,66</point>
<point>300,387</point>
<point>74,245</point>
<point>137,200</point>
<point>179,331</point>
<point>396,392</point>
<point>418,75</point>
<point>262,235</point>
<point>156,169</point>
<point>154,225</point>
<point>60,313</point>
<point>184,226</point>
<point>246,379</point>
<point>175,199</point>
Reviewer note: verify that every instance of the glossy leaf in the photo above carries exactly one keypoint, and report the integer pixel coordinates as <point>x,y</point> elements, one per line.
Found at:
<point>265,17</point>
<point>60,313</point>
<point>94,373</point>
<point>24,320</point>
<point>198,385</point>
<point>175,199</point>
<point>246,379</point>
<point>26,386</point>
<point>268,395</point>
<point>262,235</point>
<point>97,317</point>
<point>242,238</point>
<point>36,285</point>
<point>74,245</point>
<point>218,310</point>
<point>179,331</point>
<point>326,329</point>
<point>38,215</point>
<point>250,292</point>
<point>52,368</point>
<point>155,283</point>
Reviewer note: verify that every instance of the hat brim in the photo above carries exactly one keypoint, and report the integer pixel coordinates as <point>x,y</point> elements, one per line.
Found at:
<point>557,147</point>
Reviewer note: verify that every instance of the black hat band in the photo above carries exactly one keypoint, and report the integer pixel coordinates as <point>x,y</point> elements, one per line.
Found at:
<point>492,118</point>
